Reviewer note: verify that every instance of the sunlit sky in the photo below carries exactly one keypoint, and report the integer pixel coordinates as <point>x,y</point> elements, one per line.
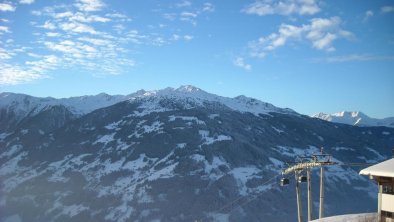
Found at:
<point>308,55</point>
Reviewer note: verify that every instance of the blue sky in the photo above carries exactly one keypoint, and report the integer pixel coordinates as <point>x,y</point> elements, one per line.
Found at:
<point>308,55</point>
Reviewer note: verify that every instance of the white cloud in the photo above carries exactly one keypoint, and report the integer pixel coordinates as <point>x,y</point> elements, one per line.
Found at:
<point>320,32</point>
<point>89,5</point>
<point>78,28</point>
<point>175,37</point>
<point>48,25</point>
<point>189,14</point>
<point>387,9</point>
<point>95,41</point>
<point>286,7</point>
<point>5,54</point>
<point>239,61</point>
<point>184,3</point>
<point>52,34</point>
<point>68,34</point>
<point>7,7</point>
<point>352,57</point>
<point>189,17</point>
<point>208,7</point>
<point>79,17</point>
<point>13,74</point>
<point>62,14</point>
<point>73,49</point>
<point>188,37</point>
<point>4,29</point>
<point>46,63</point>
<point>28,2</point>
<point>367,15</point>
<point>169,16</point>
<point>92,18</point>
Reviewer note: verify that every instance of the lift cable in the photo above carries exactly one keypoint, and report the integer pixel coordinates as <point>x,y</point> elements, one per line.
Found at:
<point>231,206</point>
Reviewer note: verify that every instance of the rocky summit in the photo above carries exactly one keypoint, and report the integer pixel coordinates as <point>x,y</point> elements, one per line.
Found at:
<point>173,155</point>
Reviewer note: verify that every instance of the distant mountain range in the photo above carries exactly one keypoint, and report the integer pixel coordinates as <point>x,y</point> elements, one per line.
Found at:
<point>172,155</point>
<point>355,119</point>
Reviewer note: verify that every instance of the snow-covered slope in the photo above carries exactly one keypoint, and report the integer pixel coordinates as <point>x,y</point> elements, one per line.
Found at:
<point>355,119</point>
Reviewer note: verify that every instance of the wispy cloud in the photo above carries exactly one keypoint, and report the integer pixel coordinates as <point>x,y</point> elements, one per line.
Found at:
<point>27,2</point>
<point>189,14</point>
<point>4,7</point>
<point>68,36</point>
<point>321,32</point>
<point>89,5</point>
<point>176,37</point>
<point>287,7</point>
<point>240,62</point>
<point>184,3</point>
<point>208,7</point>
<point>4,29</point>
<point>14,74</point>
<point>78,28</point>
<point>367,15</point>
<point>351,58</point>
<point>387,9</point>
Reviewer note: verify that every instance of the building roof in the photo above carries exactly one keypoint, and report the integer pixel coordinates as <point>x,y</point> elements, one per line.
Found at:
<point>383,169</point>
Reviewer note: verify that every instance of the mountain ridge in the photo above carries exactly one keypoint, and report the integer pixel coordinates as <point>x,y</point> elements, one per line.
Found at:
<point>24,104</point>
<point>355,118</point>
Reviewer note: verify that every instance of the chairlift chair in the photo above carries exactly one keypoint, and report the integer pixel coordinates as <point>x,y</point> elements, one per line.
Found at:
<point>302,179</point>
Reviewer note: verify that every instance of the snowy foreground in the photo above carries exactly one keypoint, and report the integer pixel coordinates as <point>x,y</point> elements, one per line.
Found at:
<point>366,217</point>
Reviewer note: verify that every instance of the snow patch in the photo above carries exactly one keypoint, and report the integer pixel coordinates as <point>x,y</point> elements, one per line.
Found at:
<point>213,116</point>
<point>207,140</point>
<point>186,118</point>
<point>277,130</point>
<point>113,126</point>
<point>154,127</point>
<point>277,163</point>
<point>11,151</point>
<point>181,145</point>
<point>166,172</point>
<point>377,154</point>
<point>343,148</point>
<point>4,135</point>
<point>104,139</point>
<point>242,175</point>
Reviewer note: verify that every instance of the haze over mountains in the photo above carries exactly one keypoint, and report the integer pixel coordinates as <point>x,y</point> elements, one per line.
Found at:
<point>172,155</point>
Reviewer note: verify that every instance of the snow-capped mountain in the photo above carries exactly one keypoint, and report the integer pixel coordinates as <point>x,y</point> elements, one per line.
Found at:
<point>177,155</point>
<point>355,119</point>
<point>15,107</point>
<point>25,104</point>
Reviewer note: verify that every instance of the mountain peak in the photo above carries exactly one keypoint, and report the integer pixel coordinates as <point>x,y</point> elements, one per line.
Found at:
<point>188,88</point>
<point>350,114</point>
<point>355,118</point>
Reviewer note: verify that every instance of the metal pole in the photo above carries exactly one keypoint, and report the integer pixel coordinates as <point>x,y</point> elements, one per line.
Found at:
<point>298,192</point>
<point>321,206</point>
<point>380,201</point>
<point>308,173</point>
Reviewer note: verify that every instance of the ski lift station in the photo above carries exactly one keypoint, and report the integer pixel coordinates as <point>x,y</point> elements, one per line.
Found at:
<point>383,174</point>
